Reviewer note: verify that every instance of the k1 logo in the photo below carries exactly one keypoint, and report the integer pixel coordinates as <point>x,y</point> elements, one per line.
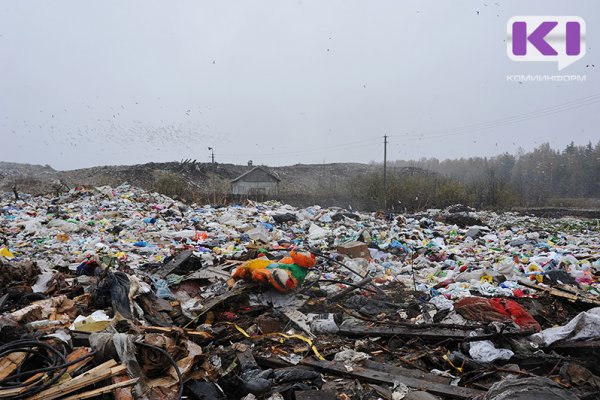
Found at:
<point>556,39</point>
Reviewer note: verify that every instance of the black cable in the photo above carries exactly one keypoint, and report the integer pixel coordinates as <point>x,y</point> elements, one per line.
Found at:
<point>54,362</point>
<point>318,253</point>
<point>371,284</point>
<point>27,346</point>
<point>347,283</point>
<point>307,285</point>
<point>171,360</point>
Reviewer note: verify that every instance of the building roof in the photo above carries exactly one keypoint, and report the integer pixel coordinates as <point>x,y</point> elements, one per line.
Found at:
<point>272,175</point>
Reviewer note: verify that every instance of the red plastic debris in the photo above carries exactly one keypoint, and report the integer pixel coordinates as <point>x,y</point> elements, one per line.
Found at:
<point>496,309</point>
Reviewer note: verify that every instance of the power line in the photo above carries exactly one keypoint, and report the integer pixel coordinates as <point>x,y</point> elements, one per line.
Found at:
<point>518,120</point>
<point>445,133</point>
<point>541,112</point>
<point>464,129</point>
<point>385,142</point>
<point>568,106</point>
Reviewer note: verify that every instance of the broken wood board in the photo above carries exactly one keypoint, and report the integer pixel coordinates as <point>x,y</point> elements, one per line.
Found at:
<point>44,394</point>
<point>189,332</point>
<point>9,363</point>
<point>103,390</point>
<point>163,381</point>
<point>370,375</point>
<point>413,373</point>
<point>74,355</point>
<point>95,375</point>
<point>588,344</point>
<point>122,393</point>
<point>404,331</point>
<point>569,293</point>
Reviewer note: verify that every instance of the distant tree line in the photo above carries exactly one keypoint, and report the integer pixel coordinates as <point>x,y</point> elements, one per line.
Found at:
<point>542,177</point>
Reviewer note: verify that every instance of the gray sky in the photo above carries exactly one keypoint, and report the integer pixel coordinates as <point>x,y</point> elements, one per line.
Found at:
<point>279,82</point>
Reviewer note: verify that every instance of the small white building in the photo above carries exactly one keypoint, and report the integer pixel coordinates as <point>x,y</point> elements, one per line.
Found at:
<point>257,181</point>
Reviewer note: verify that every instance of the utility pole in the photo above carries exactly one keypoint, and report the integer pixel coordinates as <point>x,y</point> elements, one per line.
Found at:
<point>212,179</point>
<point>385,171</point>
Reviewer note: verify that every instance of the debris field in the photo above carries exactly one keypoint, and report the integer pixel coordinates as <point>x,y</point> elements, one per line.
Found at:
<point>120,293</point>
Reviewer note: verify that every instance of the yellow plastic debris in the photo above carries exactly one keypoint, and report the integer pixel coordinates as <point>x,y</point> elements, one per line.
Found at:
<point>5,252</point>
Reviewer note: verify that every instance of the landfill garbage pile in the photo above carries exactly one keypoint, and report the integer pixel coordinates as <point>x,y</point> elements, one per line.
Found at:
<point>125,294</point>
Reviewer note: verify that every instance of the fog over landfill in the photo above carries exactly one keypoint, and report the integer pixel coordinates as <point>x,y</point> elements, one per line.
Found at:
<point>280,82</point>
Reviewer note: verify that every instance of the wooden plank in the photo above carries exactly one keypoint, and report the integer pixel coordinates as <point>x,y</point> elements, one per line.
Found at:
<point>74,355</point>
<point>404,331</point>
<point>95,375</point>
<point>272,362</point>
<point>9,363</point>
<point>189,332</point>
<point>21,390</point>
<point>102,390</point>
<point>122,393</point>
<point>10,393</point>
<point>569,294</point>
<point>413,373</point>
<point>589,344</point>
<point>163,381</point>
<point>370,375</point>
<point>91,374</point>
<point>77,353</point>
<point>579,297</point>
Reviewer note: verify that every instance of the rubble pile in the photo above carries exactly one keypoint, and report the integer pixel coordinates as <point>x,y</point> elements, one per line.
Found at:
<point>121,293</point>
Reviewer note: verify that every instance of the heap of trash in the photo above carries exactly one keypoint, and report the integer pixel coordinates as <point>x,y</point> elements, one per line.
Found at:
<point>126,294</point>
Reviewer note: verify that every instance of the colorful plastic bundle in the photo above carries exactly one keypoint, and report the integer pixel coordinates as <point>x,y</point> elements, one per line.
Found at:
<point>285,275</point>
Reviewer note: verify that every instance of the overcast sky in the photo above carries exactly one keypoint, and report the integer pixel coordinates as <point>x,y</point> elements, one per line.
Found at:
<point>279,82</point>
